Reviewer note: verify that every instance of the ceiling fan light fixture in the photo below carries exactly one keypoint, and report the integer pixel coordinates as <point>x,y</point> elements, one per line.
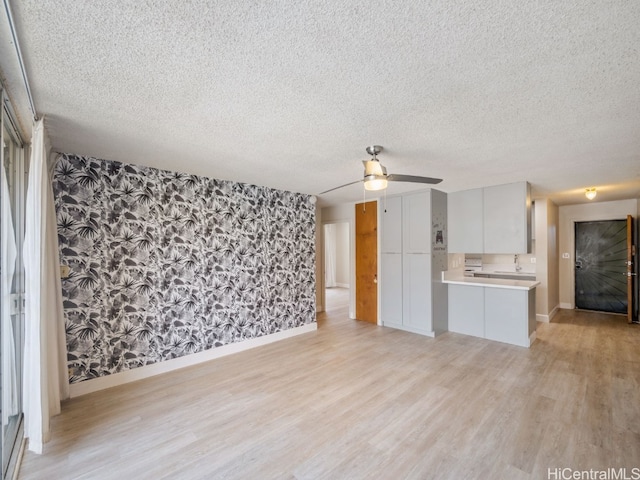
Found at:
<point>374,183</point>
<point>590,193</point>
<point>376,177</point>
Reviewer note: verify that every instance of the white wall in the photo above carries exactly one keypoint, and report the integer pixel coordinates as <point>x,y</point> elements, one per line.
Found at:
<point>553,258</point>
<point>342,254</point>
<point>319,262</point>
<point>546,248</point>
<point>585,212</point>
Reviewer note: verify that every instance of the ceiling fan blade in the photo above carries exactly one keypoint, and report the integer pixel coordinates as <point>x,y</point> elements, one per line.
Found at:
<point>412,178</point>
<point>336,188</point>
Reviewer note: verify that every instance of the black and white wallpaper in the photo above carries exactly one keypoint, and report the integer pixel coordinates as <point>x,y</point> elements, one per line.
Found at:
<point>165,264</point>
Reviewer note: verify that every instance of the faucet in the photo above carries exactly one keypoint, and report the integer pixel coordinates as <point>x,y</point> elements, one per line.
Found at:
<point>516,261</point>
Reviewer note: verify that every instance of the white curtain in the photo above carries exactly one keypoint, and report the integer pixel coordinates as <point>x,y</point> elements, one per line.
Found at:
<point>9,254</point>
<point>45,379</point>
<point>329,255</point>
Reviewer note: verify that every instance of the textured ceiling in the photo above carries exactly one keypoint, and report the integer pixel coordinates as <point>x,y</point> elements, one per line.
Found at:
<point>288,94</point>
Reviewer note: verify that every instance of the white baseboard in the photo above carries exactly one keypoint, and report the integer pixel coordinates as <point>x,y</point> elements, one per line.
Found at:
<point>567,306</point>
<point>342,285</point>
<point>96,384</point>
<point>532,338</point>
<point>419,331</point>
<point>547,318</point>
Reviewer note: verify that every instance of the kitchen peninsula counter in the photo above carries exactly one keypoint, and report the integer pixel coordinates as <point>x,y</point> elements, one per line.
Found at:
<point>454,277</point>
<point>492,308</point>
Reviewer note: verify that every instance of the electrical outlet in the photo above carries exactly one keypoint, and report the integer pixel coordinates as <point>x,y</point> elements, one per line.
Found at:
<point>533,259</point>
<point>566,255</point>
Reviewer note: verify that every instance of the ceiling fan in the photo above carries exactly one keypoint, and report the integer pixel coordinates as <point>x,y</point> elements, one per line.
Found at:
<point>376,177</point>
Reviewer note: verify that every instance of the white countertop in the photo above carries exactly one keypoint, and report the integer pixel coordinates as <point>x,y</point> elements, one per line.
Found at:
<point>457,278</point>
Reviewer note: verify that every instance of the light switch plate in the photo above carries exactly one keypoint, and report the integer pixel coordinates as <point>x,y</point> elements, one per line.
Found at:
<point>64,271</point>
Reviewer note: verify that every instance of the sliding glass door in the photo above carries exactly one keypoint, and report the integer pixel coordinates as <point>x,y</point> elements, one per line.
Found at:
<point>12,205</point>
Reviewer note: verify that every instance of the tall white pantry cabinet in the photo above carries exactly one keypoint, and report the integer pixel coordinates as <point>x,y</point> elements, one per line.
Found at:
<point>413,254</point>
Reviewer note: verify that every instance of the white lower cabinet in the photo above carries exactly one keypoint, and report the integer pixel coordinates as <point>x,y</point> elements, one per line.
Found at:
<point>391,294</point>
<point>406,296</point>
<point>501,314</point>
<point>416,302</point>
<point>466,310</point>
<point>507,315</point>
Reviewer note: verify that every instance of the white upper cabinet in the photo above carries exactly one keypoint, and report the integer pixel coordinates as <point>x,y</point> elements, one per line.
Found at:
<point>507,218</point>
<point>465,221</point>
<point>490,220</point>
<point>391,215</point>
<point>416,221</point>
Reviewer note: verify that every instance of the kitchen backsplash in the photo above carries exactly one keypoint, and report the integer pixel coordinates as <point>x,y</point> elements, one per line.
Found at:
<point>495,262</point>
<point>508,261</point>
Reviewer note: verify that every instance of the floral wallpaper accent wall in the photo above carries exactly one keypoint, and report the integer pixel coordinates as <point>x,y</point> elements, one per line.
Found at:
<point>165,264</point>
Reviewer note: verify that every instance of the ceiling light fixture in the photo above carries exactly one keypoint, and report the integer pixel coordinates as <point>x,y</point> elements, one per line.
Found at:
<point>590,193</point>
<point>375,182</point>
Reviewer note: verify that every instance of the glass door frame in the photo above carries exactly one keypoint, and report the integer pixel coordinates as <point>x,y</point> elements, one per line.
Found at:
<point>12,438</point>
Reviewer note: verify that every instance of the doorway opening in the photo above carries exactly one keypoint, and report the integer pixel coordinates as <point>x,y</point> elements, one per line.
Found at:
<point>337,263</point>
<point>601,266</point>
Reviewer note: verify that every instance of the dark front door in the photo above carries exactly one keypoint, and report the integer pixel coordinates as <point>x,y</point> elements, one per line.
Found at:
<point>601,269</point>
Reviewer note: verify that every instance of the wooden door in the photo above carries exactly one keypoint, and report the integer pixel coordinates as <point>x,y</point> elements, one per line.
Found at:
<point>630,269</point>
<point>367,262</point>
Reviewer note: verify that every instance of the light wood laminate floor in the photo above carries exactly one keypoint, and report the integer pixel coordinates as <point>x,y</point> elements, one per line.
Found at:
<point>353,400</point>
